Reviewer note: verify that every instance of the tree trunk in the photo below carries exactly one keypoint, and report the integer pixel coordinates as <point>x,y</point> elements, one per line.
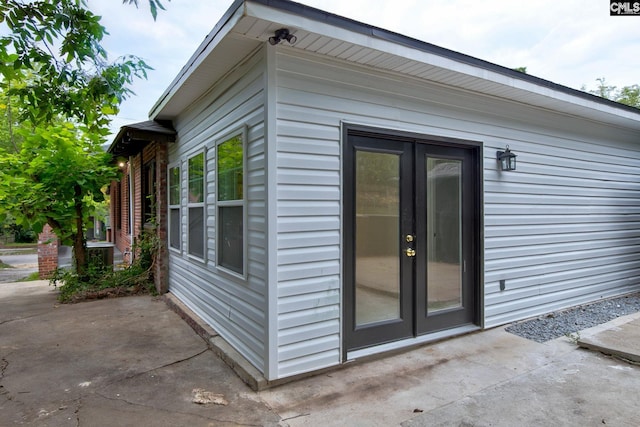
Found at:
<point>79,241</point>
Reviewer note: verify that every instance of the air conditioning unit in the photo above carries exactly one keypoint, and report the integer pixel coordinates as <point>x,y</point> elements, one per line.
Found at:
<point>100,254</point>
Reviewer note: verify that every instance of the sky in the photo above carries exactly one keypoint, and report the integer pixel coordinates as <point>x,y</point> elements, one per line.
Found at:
<point>570,42</point>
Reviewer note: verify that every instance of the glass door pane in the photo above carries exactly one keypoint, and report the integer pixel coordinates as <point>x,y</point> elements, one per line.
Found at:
<point>444,233</point>
<point>377,224</point>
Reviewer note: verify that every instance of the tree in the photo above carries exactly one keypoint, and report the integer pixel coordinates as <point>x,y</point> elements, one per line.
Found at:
<point>56,179</point>
<point>628,95</point>
<point>59,41</point>
<point>58,91</point>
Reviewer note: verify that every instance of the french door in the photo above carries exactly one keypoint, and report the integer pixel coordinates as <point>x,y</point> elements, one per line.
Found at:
<point>411,237</point>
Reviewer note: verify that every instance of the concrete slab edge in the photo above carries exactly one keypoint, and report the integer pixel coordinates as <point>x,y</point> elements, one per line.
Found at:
<point>588,339</point>
<point>241,366</point>
<point>620,321</point>
<point>628,357</point>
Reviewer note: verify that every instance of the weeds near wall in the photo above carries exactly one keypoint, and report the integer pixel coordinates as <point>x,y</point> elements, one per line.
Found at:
<point>573,337</point>
<point>102,281</point>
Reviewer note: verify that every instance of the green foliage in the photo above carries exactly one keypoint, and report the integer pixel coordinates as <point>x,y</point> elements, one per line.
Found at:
<point>59,42</point>
<point>23,234</point>
<point>146,248</point>
<point>230,169</point>
<point>521,69</point>
<point>102,281</point>
<point>628,95</point>
<point>58,169</point>
<point>154,5</point>
<point>56,179</point>
<point>59,89</point>
<point>31,277</point>
<point>19,233</point>
<point>8,140</point>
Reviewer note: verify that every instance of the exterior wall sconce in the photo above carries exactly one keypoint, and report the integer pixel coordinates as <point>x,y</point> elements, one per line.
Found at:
<point>507,160</point>
<point>282,34</point>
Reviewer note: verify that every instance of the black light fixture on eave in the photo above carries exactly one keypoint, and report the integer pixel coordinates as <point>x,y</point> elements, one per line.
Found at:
<point>507,160</point>
<point>282,34</point>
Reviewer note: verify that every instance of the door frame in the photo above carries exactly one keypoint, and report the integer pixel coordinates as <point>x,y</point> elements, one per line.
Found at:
<point>348,265</point>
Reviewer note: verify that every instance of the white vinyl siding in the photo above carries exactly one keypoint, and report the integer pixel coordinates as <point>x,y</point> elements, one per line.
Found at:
<point>234,306</point>
<point>562,229</point>
<point>565,230</point>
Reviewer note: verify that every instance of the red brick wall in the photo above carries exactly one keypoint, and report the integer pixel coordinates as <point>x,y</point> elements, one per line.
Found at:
<point>121,236</point>
<point>161,273</point>
<point>47,252</point>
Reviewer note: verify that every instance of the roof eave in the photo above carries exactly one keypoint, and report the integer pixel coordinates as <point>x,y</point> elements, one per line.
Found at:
<point>520,87</point>
<point>132,138</point>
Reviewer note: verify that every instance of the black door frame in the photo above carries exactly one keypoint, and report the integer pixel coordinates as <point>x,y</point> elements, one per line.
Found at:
<point>363,339</point>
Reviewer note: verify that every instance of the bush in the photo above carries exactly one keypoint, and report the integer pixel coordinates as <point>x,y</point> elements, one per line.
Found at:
<point>102,281</point>
<point>24,235</point>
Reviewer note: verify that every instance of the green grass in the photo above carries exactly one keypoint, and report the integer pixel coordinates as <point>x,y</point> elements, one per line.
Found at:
<point>18,245</point>
<point>33,276</point>
<point>3,265</point>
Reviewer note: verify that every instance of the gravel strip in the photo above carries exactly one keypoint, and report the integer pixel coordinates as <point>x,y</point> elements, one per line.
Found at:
<point>565,322</point>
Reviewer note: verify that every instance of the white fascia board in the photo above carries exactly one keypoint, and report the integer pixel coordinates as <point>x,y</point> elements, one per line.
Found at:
<point>295,21</point>
<point>211,41</point>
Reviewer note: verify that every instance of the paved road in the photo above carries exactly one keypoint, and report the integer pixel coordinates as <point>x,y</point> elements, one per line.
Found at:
<point>22,265</point>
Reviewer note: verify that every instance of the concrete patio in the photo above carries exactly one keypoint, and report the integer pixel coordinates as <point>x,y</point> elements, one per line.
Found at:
<point>133,362</point>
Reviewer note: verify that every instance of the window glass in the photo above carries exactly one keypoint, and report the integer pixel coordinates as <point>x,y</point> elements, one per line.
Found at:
<point>230,180</point>
<point>174,228</point>
<point>196,205</point>
<point>196,231</point>
<point>231,244</point>
<point>149,191</point>
<point>230,169</point>
<point>196,178</point>
<point>174,186</point>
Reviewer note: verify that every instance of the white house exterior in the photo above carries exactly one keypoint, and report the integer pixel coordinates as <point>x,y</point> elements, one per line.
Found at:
<point>340,196</point>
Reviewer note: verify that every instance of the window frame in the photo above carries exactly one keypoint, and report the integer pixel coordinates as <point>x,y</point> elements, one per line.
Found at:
<point>242,133</point>
<point>149,188</point>
<point>175,206</point>
<point>197,205</point>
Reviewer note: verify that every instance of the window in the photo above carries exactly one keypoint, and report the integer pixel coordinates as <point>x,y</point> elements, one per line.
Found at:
<point>128,204</point>
<point>195,205</point>
<point>149,191</point>
<point>174,207</point>
<point>118,209</point>
<point>230,180</point>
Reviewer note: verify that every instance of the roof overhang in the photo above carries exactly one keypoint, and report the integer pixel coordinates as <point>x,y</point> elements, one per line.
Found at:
<point>132,138</point>
<point>248,24</point>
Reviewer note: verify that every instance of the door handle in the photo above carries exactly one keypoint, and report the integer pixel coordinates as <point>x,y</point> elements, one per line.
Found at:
<point>410,252</point>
